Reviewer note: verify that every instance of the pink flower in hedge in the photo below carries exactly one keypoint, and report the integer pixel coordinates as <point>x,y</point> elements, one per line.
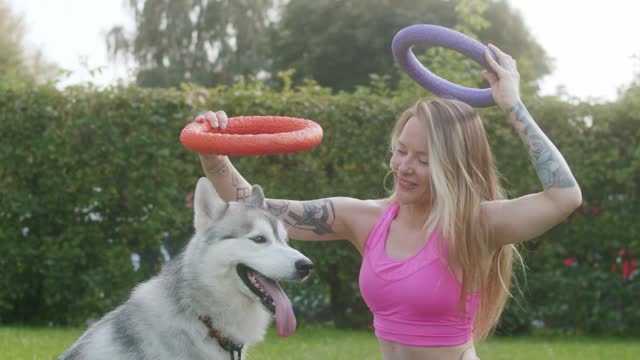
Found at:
<point>629,263</point>
<point>568,262</point>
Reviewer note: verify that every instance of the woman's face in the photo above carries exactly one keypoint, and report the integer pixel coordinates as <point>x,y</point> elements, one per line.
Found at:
<point>410,164</point>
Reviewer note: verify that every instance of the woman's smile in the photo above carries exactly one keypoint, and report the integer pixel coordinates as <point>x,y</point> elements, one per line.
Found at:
<point>405,184</point>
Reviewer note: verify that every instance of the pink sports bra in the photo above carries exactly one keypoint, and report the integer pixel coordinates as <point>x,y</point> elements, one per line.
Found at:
<point>414,301</point>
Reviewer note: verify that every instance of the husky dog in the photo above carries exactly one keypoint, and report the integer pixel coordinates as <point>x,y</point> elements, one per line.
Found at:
<point>214,299</point>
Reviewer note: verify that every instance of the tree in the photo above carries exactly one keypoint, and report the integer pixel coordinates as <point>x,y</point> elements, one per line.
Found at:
<point>16,62</point>
<point>207,42</point>
<point>507,28</point>
<point>340,43</point>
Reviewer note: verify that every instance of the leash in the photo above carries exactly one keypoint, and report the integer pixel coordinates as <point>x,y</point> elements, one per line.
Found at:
<point>224,342</point>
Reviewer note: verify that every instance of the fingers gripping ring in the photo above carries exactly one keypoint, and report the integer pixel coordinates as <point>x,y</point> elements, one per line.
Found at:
<point>441,36</point>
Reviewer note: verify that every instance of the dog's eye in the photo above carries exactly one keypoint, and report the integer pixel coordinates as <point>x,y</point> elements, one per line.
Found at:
<point>258,239</point>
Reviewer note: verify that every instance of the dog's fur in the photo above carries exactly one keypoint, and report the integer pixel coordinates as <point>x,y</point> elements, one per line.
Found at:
<point>161,318</point>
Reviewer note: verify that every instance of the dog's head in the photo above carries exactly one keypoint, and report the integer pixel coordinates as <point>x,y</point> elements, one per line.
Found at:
<point>245,247</point>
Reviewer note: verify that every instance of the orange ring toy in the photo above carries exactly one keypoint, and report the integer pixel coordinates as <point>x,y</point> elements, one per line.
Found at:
<point>252,135</point>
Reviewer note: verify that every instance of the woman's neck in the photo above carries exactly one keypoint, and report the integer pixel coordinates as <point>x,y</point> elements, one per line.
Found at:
<point>413,216</point>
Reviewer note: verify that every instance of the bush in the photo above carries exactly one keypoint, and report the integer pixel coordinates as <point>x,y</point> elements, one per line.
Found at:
<point>89,177</point>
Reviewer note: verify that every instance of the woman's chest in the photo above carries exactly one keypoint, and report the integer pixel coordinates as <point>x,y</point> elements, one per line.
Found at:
<point>402,243</point>
<point>410,289</point>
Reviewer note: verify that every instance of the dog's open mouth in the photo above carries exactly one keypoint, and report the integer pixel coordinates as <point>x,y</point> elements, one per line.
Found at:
<point>250,278</point>
<point>272,297</point>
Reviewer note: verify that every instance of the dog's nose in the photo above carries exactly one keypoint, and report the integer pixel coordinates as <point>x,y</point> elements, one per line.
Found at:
<point>303,267</point>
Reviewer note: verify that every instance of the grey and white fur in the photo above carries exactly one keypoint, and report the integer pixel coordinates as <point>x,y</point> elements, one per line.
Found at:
<point>161,321</point>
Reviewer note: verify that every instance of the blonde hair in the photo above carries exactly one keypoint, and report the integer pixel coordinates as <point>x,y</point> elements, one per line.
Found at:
<point>463,174</point>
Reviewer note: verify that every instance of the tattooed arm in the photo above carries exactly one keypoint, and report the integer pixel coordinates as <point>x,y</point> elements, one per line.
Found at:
<point>323,219</point>
<point>334,218</point>
<point>552,169</point>
<point>524,218</point>
<point>229,184</point>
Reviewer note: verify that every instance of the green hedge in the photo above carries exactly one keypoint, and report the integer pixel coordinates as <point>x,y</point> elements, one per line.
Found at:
<point>89,176</point>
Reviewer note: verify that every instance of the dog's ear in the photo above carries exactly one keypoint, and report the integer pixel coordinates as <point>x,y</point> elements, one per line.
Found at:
<point>207,205</point>
<point>257,197</point>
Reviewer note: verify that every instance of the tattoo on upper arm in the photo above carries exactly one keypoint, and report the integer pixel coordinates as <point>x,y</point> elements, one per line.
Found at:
<point>318,216</point>
<point>552,172</point>
<point>277,207</point>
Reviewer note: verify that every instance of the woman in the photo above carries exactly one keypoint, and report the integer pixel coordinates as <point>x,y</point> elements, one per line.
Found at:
<point>437,254</point>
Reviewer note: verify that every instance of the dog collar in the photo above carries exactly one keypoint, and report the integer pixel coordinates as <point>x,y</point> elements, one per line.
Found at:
<point>224,342</point>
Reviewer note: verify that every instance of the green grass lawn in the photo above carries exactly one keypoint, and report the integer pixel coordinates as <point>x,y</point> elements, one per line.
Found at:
<point>18,343</point>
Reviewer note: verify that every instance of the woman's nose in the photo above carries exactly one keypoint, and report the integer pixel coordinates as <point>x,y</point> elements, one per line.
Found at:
<point>405,167</point>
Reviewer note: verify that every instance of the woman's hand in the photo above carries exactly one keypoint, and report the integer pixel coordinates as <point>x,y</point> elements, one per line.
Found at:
<point>216,119</point>
<point>504,79</point>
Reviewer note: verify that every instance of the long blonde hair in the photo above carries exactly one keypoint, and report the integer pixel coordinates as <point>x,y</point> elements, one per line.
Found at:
<point>463,175</point>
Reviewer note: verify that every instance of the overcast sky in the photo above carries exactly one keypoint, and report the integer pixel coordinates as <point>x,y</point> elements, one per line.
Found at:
<point>592,42</point>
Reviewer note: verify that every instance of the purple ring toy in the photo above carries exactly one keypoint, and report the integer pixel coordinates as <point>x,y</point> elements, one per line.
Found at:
<point>441,36</point>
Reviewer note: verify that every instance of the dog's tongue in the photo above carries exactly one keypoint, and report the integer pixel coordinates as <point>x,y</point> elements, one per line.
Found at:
<point>285,319</point>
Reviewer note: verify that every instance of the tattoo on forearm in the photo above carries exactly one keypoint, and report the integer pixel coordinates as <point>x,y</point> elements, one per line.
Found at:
<point>318,216</point>
<point>217,168</point>
<point>277,207</point>
<point>551,169</point>
<point>235,180</point>
<point>242,192</point>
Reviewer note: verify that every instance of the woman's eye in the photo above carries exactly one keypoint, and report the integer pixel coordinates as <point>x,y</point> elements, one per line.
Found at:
<point>424,162</point>
<point>401,152</point>
<point>258,239</point>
